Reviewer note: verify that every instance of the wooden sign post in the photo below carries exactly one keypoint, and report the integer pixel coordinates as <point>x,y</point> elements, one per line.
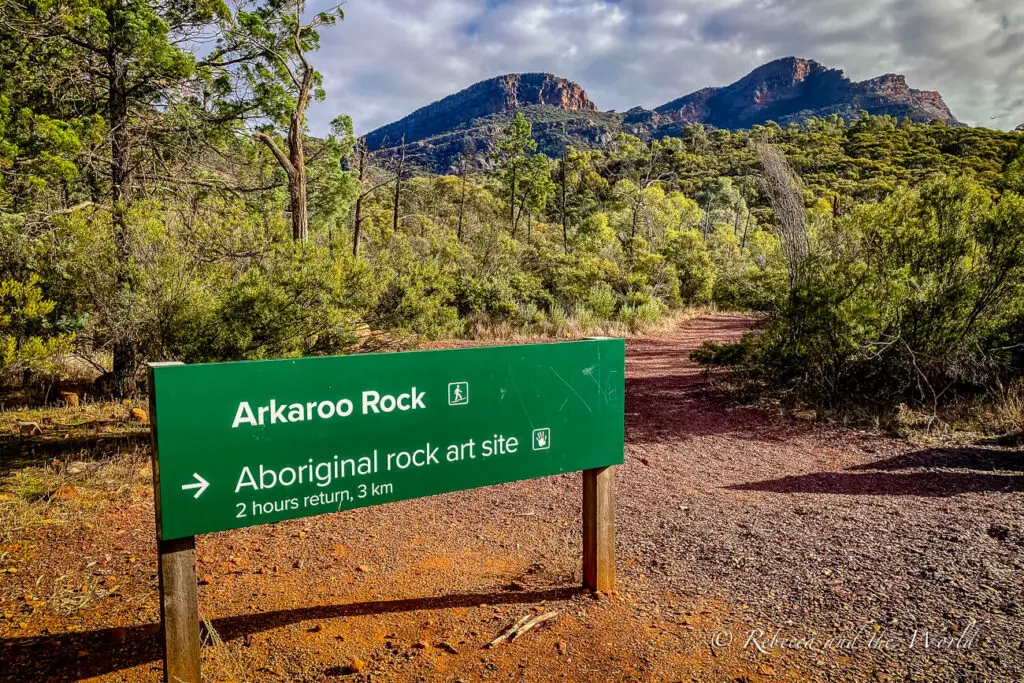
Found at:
<point>176,575</point>
<point>179,610</point>
<point>248,443</point>
<point>599,529</point>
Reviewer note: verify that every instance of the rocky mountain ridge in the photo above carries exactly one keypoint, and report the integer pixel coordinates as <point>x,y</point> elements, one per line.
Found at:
<point>492,96</point>
<point>784,91</point>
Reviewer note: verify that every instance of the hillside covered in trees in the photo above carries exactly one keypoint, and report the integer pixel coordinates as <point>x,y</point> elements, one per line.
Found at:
<point>160,204</point>
<point>784,91</point>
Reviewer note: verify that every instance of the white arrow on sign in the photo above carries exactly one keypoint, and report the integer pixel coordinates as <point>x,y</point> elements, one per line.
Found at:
<point>200,484</point>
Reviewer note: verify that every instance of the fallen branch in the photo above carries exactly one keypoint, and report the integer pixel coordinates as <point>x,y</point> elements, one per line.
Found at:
<point>504,635</point>
<point>536,621</point>
<point>517,629</point>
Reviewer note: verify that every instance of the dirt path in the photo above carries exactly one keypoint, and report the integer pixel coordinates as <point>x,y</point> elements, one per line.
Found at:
<point>818,531</point>
<point>734,525</point>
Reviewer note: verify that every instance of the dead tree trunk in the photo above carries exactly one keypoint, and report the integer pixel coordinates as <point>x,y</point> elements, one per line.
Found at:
<point>398,185</point>
<point>357,223</point>
<point>565,228</point>
<point>512,203</point>
<point>462,198</point>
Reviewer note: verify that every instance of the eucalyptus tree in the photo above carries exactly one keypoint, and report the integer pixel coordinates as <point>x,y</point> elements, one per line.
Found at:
<point>268,48</point>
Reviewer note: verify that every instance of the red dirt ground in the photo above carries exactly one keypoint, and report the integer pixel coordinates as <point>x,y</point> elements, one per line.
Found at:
<point>735,524</point>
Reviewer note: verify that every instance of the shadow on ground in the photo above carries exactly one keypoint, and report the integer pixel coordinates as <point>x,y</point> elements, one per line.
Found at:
<point>962,458</point>
<point>72,656</point>
<point>949,472</point>
<point>930,484</point>
<point>17,452</point>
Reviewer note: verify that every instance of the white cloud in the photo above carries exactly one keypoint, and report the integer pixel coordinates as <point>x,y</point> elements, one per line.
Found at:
<point>390,57</point>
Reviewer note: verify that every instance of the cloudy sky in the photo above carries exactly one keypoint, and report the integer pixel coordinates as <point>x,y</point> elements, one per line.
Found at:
<point>392,56</point>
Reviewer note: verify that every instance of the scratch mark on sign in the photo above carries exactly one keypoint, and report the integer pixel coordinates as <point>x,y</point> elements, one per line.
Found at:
<point>573,390</point>
<point>612,390</point>
<point>519,395</point>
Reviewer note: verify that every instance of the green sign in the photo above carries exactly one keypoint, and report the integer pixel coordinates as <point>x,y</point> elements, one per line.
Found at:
<point>239,444</point>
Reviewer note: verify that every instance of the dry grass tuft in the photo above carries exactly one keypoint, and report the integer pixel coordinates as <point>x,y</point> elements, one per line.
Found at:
<point>222,661</point>
<point>578,326</point>
<point>85,458</point>
<point>965,422</point>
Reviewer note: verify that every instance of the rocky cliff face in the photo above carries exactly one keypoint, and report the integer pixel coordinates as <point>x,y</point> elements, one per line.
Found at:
<point>786,90</point>
<point>486,98</point>
<point>892,92</point>
<point>793,89</point>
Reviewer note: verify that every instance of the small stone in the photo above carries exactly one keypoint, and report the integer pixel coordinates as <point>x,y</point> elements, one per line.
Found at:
<point>362,568</point>
<point>356,665</point>
<point>448,647</point>
<point>317,628</point>
<point>421,645</point>
<point>766,670</point>
<point>297,564</point>
<point>561,647</point>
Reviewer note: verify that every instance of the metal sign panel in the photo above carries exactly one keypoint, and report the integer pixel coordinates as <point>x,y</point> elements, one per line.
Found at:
<point>246,443</point>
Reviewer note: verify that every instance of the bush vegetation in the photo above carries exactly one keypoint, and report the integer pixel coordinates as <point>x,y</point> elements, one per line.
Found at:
<point>185,213</point>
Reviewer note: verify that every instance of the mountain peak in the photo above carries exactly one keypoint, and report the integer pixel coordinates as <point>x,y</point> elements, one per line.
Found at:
<point>793,69</point>
<point>787,90</point>
<point>791,89</point>
<point>508,92</point>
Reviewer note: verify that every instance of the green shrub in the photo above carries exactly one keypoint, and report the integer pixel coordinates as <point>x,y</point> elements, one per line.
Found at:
<point>688,254</point>
<point>637,317</point>
<point>298,301</point>
<point>557,317</point>
<point>601,301</point>
<point>911,301</point>
<point>583,318</point>
<point>29,340</point>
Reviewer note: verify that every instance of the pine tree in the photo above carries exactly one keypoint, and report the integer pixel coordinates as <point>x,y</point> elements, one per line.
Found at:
<point>511,159</point>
